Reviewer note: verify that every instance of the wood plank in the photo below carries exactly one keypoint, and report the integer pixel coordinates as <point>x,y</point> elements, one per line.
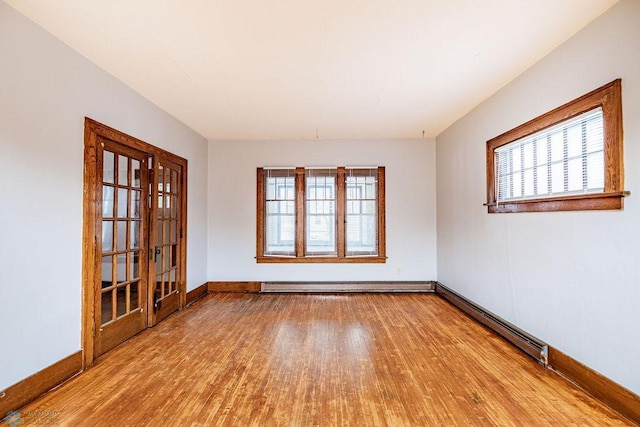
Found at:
<point>234,286</point>
<point>39,383</point>
<point>197,293</point>
<point>617,397</point>
<point>302,359</point>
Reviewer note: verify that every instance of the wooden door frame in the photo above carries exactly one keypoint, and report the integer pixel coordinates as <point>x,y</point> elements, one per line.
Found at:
<point>91,228</point>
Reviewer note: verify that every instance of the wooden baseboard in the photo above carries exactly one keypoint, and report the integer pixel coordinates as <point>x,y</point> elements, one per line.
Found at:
<point>197,293</point>
<point>602,388</point>
<point>234,286</point>
<point>39,383</point>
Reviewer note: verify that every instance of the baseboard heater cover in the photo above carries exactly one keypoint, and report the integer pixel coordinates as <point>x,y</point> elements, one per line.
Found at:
<point>531,345</point>
<point>363,286</point>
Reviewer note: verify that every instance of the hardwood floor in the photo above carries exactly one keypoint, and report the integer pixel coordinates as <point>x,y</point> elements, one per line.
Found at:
<point>299,360</point>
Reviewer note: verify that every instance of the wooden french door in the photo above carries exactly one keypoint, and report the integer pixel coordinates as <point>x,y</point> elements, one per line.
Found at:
<point>165,237</point>
<point>133,238</point>
<point>120,303</point>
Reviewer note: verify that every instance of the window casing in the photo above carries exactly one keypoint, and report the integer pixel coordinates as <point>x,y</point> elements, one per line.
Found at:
<point>320,215</point>
<point>567,159</point>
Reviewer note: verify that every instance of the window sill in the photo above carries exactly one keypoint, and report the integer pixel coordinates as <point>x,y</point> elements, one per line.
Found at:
<point>322,260</point>
<point>580,202</point>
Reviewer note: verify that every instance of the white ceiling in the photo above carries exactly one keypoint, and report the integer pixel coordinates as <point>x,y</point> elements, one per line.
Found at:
<point>291,69</point>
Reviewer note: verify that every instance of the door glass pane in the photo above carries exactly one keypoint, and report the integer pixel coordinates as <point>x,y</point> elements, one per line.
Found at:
<point>122,301</point>
<point>167,180</point>
<point>107,236</point>
<point>160,206</point>
<point>167,284</point>
<point>135,235</point>
<point>160,232</point>
<point>174,181</point>
<point>174,255</point>
<point>174,206</point>
<point>107,271</point>
<point>167,257</point>
<point>160,178</point>
<point>134,267</point>
<point>123,170</point>
<point>107,166</point>
<point>134,298</point>
<point>135,173</point>
<point>122,236</point>
<point>122,202</point>
<point>106,307</point>
<point>135,204</point>
<point>121,268</point>
<point>158,293</point>
<point>174,227</point>
<point>107,201</point>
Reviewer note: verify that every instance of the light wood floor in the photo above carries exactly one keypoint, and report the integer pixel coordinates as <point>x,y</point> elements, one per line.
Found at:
<point>325,360</point>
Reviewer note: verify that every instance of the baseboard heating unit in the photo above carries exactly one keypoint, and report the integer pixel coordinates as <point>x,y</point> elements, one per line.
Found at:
<point>531,345</point>
<point>427,286</point>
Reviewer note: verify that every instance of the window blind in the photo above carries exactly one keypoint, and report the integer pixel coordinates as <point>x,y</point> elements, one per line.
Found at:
<point>567,158</point>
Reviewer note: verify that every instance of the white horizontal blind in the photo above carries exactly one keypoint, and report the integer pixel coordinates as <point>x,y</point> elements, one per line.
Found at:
<point>567,158</point>
<point>280,205</point>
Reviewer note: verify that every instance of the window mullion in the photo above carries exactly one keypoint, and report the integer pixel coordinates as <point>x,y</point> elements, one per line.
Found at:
<point>565,157</point>
<point>341,206</point>
<point>300,212</point>
<point>380,212</point>
<point>584,156</point>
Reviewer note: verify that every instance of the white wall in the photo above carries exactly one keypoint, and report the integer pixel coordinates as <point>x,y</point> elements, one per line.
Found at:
<point>46,90</point>
<point>410,207</point>
<point>570,278</point>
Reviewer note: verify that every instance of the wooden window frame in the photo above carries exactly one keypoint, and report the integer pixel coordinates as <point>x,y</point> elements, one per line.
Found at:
<point>609,98</point>
<point>300,231</point>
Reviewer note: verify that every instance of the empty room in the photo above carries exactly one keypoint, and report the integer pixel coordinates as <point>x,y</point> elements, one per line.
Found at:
<point>292,213</point>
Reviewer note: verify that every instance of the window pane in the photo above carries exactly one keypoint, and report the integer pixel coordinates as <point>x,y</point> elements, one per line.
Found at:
<point>280,213</point>
<point>280,234</point>
<point>543,180</point>
<point>527,151</point>
<point>595,171</point>
<point>557,147</point>
<point>557,178</point>
<point>361,215</point>
<point>541,151</point>
<point>572,146</point>
<point>320,212</point>
<point>528,182</point>
<point>574,172</point>
<point>574,141</point>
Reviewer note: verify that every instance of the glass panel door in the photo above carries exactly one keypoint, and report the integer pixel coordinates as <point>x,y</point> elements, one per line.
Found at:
<point>122,295</point>
<point>165,265</point>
